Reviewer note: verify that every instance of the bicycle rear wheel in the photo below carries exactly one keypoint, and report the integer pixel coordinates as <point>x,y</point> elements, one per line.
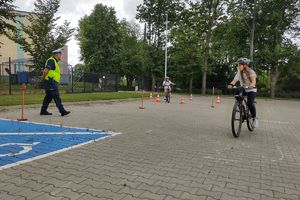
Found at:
<point>167,99</point>
<point>236,119</point>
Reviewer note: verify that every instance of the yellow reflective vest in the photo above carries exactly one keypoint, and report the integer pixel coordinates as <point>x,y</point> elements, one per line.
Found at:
<point>55,74</point>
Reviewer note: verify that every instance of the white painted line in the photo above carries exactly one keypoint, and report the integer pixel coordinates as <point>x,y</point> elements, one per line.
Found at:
<point>55,133</point>
<point>60,125</point>
<point>25,148</point>
<point>55,152</point>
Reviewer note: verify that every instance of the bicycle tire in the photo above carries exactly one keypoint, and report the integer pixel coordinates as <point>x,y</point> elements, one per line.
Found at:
<point>250,123</point>
<point>168,97</point>
<point>236,119</point>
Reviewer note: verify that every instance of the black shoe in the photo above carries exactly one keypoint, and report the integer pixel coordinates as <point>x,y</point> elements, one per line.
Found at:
<point>45,113</point>
<point>65,113</point>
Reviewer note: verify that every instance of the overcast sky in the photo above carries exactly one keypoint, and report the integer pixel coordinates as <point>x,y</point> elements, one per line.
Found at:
<point>73,10</point>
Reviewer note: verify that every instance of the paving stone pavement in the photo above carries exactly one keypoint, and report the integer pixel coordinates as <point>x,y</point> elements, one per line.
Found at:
<point>165,152</point>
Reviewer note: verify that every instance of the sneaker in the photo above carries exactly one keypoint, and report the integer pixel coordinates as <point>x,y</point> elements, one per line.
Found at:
<point>255,123</point>
<point>45,113</point>
<point>65,113</point>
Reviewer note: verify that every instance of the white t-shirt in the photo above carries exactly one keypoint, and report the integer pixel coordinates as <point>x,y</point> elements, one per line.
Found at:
<point>167,84</point>
<point>246,80</point>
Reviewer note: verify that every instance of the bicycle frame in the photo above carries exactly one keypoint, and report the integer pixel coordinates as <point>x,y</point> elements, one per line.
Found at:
<point>168,95</point>
<point>243,104</point>
<point>240,114</point>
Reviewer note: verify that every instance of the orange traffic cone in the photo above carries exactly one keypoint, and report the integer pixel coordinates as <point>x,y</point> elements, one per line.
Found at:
<point>157,99</point>
<point>191,97</point>
<point>182,100</point>
<point>150,97</point>
<point>218,100</point>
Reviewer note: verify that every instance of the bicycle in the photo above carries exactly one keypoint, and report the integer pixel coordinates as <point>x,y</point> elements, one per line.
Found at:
<point>168,95</point>
<point>240,114</point>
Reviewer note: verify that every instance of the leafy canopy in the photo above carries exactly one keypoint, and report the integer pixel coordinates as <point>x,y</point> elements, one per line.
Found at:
<point>43,35</point>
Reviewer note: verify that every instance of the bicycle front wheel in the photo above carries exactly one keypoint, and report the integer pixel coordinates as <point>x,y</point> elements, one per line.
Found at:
<point>250,123</point>
<point>236,119</point>
<point>168,97</point>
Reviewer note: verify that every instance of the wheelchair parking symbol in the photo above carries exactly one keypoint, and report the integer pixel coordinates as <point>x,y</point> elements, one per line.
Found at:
<point>25,148</point>
<point>22,142</point>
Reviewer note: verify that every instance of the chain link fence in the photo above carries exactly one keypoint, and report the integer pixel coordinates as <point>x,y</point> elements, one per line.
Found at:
<point>93,82</point>
<point>87,82</point>
<point>14,73</point>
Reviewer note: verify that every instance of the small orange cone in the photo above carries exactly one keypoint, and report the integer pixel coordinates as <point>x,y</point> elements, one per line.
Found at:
<point>157,99</point>
<point>191,97</point>
<point>182,100</point>
<point>218,100</point>
<point>150,97</point>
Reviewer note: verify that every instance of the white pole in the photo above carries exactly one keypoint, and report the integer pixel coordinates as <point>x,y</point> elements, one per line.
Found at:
<point>166,48</point>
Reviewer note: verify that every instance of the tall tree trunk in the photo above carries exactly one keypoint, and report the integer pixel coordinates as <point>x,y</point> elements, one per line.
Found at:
<point>205,58</point>
<point>273,76</point>
<point>252,32</point>
<point>129,83</point>
<point>212,18</point>
<point>204,82</point>
<point>153,80</point>
<point>252,39</point>
<point>145,32</point>
<point>191,83</point>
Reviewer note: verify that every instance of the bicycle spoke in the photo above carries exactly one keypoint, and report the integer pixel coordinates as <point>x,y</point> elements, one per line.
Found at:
<point>236,120</point>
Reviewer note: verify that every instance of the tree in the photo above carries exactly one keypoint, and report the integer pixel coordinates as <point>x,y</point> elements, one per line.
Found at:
<point>289,78</point>
<point>186,51</point>
<point>78,71</point>
<point>132,55</point>
<point>231,40</point>
<point>247,11</point>
<point>100,40</point>
<point>6,14</point>
<point>210,15</point>
<point>43,35</point>
<point>153,14</point>
<point>277,18</point>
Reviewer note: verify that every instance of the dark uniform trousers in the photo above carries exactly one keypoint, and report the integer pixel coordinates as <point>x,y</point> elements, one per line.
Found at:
<point>250,100</point>
<point>51,90</point>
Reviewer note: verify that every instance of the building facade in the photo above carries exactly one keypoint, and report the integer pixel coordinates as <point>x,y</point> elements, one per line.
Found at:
<point>21,61</point>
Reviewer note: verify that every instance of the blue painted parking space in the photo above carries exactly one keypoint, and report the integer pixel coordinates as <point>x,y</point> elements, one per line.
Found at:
<point>24,141</point>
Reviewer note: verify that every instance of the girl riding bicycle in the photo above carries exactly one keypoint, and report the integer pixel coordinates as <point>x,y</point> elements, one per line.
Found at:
<point>247,78</point>
<point>167,88</point>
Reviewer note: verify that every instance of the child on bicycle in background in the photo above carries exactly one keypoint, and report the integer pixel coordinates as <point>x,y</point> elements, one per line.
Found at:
<point>247,78</point>
<point>167,86</point>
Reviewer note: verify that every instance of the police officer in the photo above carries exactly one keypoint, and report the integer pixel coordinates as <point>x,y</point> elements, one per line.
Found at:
<point>51,76</point>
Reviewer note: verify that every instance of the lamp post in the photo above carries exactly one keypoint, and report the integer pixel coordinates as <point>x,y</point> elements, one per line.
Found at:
<point>72,77</point>
<point>166,48</point>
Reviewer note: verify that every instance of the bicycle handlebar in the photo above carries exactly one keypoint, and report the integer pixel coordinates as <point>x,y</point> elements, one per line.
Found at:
<point>245,87</point>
